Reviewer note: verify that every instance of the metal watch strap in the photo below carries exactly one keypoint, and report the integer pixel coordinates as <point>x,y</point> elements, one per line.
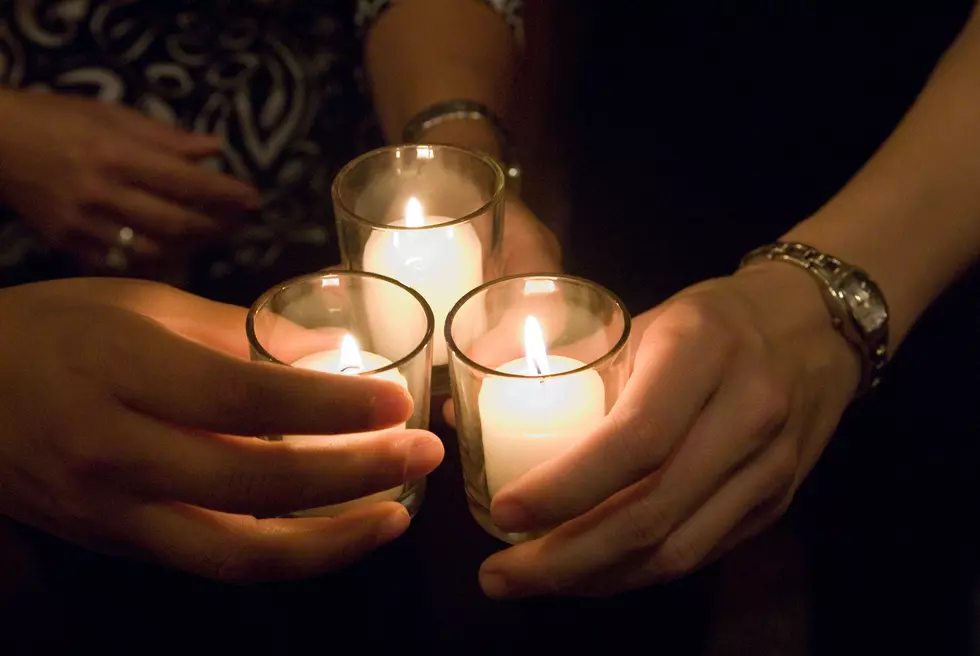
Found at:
<point>858,308</point>
<point>466,110</point>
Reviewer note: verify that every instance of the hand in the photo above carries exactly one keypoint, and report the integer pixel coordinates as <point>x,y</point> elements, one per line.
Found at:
<point>528,245</point>
<point>79,171</point>
<point>125,408</point>
<point>738,384</point>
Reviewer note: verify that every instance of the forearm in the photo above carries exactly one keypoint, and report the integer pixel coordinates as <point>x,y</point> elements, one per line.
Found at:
<point>421,52</point>
<point>911,216</point>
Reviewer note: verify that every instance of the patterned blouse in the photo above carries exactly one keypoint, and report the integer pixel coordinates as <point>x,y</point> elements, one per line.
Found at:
<point>280,80</point>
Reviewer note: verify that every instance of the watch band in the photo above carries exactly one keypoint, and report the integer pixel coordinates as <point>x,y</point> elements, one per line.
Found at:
<point>466,110</point>
<point>857,306</point>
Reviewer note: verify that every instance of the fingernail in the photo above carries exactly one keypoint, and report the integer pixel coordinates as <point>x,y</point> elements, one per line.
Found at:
<point>393,525</point>
<point>424,454</point>
<point>391,408</point>
<point>510,515</point>
<point>494,584</point>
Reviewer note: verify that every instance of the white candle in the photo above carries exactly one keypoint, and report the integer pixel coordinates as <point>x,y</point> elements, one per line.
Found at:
<point>528,421</point>
<point>440,263</point>
<point>348,360</point>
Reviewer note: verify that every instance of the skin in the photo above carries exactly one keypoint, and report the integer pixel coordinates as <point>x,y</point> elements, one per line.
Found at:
<point>739,382</point>
<point>100,447</point>
<point>115,167</point>
<point>109,443</point>
<point>422,52</point>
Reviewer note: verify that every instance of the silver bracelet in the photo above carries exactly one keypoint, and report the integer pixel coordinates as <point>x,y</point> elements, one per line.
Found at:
<point>466,110</point>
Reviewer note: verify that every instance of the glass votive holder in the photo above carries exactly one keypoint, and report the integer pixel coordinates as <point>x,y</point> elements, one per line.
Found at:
<point>321,321</point>
<point>550,363</point>
<point>430,216</point>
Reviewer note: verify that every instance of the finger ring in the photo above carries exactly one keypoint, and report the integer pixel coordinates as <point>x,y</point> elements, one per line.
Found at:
<point>116,257</point>
<point>124,238</point>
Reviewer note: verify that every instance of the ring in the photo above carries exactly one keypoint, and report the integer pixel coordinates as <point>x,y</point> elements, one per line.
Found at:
<point>116,257</point>
<point>124,238</point>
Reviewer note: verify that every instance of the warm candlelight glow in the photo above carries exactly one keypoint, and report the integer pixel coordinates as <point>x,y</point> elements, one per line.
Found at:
<point>348,360</point>
<point>350,356</point>
<point>530,420</point>
<point>535,353</point>
<point>441,262</point>
<point>539,287</point>
<point>414,214</point>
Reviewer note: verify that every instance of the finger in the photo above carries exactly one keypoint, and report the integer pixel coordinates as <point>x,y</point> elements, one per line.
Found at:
<point>236,548</point>
<point>158,217</point>
<point>189,183</point>
<point>256,477</point>
<point>743,507</point>
<point>564,561</point>
<point>740,420</point>
<point>160,373</point>
<point>218,325</point>
<point>101,233</point>
<point>157,133</point>
<point>675,374</point>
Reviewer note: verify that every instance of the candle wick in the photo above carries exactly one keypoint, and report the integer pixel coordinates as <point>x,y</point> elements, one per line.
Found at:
<point>537,367</point>
<point>350,369</point>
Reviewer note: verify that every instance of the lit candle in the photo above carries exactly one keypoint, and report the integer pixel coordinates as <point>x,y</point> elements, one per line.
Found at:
<point>348,360</point>
<point>440,263</point>
<point>528,421</point>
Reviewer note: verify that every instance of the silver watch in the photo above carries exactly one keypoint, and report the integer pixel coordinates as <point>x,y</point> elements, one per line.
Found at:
<point>857,306</point>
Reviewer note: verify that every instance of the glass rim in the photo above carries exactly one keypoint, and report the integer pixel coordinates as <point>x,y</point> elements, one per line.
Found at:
<point>555,277</point>
<point>500,187</point>
<point>263,301</point>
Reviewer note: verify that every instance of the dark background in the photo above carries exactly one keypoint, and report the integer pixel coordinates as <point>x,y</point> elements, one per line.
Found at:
<point>694,131</point>
<point>662,140</point>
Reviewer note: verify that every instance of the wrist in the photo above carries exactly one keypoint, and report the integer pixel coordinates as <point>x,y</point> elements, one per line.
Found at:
<point>788,305</point>
<point>475,135</point>
<point>467,124</point>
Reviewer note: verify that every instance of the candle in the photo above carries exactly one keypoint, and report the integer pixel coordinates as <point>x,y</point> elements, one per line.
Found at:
<point>348,360</point>
<point>528,421</point>
<point>440,263</point>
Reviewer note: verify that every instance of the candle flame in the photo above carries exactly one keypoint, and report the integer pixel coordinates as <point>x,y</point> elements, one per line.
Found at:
<point>350,356</point>
<point>535,353</point>
<point>414,214</point>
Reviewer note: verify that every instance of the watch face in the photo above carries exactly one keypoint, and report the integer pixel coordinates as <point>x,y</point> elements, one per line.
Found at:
<point>866,303</point>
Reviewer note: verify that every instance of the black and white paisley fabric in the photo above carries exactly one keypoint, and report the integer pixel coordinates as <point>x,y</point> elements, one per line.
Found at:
<point>280,80</point>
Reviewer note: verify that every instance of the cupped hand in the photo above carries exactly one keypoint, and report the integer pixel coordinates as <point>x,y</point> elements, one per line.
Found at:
<point>737,385</point>
<point>128,410</point>
<point>529,246</point>
<point>80,171</point>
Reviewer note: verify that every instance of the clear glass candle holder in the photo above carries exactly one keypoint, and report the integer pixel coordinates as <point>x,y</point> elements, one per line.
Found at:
<point>550,363</point>
<point>428,216</point>
<point>324,322</point>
